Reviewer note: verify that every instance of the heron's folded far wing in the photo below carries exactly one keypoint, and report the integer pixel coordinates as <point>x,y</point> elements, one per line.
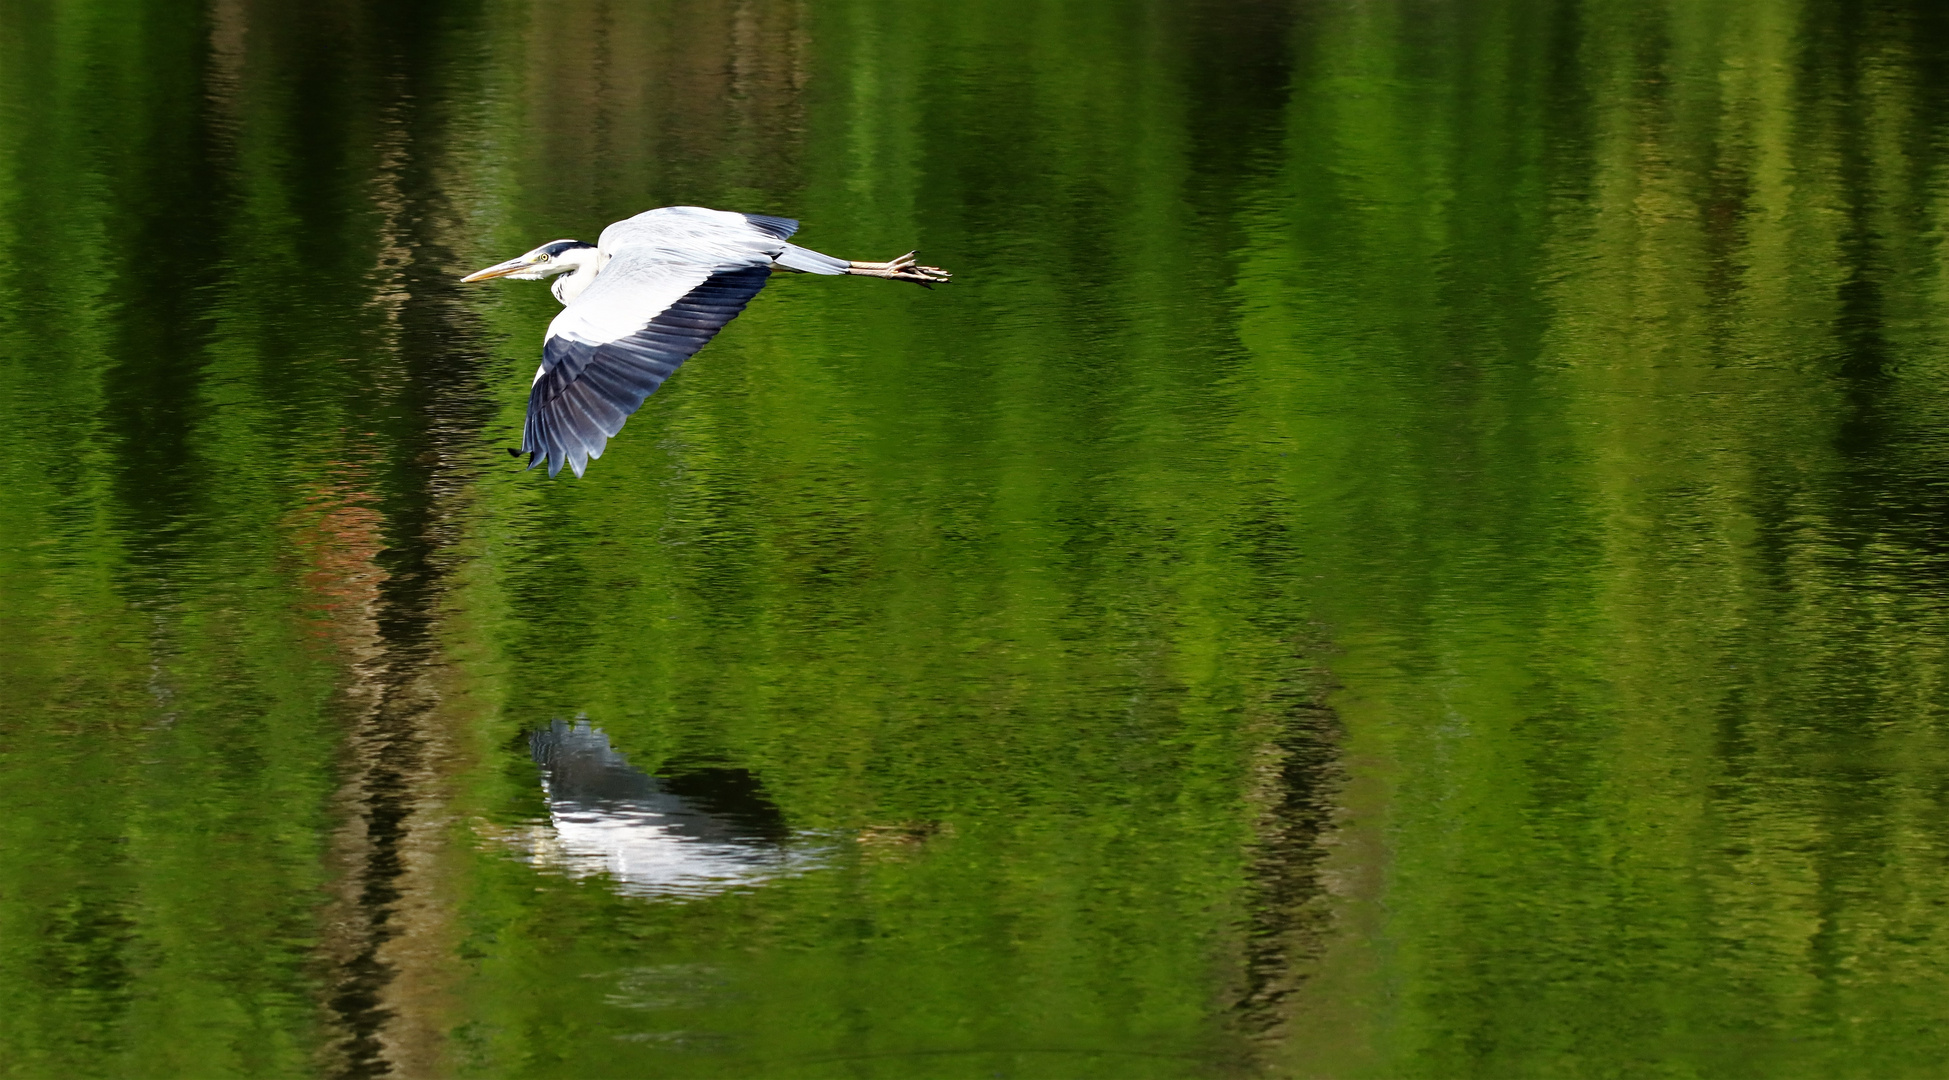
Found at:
<point>698,229</point>
<point>780,228</point>
<point>616,344</point>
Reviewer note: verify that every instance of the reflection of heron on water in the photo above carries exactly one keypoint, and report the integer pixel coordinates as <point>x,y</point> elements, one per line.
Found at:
<point>692,833</point>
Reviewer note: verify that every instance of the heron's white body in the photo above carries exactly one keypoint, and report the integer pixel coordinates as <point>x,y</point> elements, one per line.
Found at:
<point>648,262</point>
<point>567,287</point>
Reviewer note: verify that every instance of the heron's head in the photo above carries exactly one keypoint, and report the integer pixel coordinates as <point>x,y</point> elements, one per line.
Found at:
<point>556,257</point>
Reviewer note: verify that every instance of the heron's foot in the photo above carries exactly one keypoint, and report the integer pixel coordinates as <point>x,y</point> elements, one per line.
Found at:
<point>904,268</point>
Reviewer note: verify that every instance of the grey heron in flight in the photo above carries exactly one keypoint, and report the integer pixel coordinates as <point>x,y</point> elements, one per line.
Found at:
<point>640,302</point>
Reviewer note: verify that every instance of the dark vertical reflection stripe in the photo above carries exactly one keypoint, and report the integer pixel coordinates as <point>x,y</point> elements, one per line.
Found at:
<point>393,786</point>
<point>164,261</point>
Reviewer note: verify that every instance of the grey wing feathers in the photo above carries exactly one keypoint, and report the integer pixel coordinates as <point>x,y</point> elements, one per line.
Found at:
<point>779,228</point>
<point>688,228</point>
<point>587,389</point>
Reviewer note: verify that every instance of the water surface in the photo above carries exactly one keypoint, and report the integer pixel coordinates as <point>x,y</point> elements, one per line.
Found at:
<point>1414,546</point>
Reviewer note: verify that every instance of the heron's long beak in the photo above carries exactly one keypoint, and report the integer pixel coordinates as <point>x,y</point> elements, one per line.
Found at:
<point>499,270</point>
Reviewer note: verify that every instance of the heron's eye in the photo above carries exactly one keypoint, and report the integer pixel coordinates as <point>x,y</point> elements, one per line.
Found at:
<point>541,258</point>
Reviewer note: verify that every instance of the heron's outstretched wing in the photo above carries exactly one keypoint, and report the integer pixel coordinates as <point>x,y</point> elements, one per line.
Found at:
<point>670,285</point>
<point>588,386</point>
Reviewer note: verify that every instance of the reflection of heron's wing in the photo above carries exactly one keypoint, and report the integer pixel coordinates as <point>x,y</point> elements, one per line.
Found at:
<point>673,278</point>
<point>608,817</point>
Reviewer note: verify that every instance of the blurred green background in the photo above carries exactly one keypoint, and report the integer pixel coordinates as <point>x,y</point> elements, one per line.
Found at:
<point>1414,546</point>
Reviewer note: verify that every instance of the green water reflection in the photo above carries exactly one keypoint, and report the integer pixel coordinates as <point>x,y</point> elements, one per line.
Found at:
<point>1414,546</point>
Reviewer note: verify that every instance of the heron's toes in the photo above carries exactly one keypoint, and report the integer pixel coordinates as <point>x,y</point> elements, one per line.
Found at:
<point>905,268</point>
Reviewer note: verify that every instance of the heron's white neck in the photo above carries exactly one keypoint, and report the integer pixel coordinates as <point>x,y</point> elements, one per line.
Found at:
<point>588,263</point>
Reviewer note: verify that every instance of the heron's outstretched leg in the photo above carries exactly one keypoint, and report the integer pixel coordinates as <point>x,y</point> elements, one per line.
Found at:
<point>798,260</point>
<point>902,269</point>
